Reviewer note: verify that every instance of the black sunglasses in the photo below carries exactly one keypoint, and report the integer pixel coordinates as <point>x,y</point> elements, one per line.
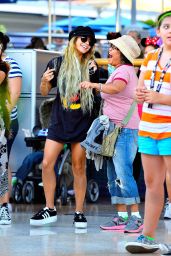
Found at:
<point>84,39</point>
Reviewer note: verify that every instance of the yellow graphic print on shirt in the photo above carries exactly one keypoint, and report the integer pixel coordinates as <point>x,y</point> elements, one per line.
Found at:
<point>73,104</point>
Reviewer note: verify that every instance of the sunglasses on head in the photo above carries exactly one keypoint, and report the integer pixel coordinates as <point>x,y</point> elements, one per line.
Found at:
<point>84,39</point>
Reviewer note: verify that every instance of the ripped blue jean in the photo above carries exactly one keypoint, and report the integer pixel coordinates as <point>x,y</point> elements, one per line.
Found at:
<point>122,185</point>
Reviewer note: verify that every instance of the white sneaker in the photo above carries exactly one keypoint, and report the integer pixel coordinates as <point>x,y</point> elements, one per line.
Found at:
<point>167,213</point>
<point>5,218</point>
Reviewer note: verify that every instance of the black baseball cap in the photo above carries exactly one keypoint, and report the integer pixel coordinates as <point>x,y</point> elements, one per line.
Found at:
<point>83,31</point>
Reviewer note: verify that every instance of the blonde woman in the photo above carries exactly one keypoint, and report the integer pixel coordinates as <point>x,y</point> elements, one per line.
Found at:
<point>72,115</point>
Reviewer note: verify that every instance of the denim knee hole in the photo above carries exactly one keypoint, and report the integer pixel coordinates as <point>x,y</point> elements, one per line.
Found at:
<point>118,183</point>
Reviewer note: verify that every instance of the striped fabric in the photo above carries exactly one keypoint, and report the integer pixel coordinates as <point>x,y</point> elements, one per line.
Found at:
<point>15,71</point>
<point>156,122</point>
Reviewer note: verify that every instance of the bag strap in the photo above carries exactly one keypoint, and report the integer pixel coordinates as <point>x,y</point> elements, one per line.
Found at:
<point>101,107</point>
<point>128,116</point>
<point>130,112</point>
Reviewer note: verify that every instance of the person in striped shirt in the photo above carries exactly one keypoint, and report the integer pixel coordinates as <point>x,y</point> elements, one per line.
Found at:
<point>154,91</point>
<point>15,83</point>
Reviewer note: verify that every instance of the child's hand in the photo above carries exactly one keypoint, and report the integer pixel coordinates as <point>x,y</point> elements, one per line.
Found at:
<point>152,97</point>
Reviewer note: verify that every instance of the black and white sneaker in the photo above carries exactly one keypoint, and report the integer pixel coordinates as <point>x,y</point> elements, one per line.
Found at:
<point>5,218</point>
<point>44,216</point>
<point>80,220</point>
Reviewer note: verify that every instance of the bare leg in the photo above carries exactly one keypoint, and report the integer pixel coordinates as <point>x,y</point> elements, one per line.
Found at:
<point>121,207</point>
<point>134,208</point>
<point>51,152</point>
<point>4,199</point>
<point>154,173</point>
<point>79,172</point>
<point>167,160</point>
<point>168,185</point>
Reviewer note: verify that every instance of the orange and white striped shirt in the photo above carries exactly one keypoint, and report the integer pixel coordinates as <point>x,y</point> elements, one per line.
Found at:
<point>156,121</point>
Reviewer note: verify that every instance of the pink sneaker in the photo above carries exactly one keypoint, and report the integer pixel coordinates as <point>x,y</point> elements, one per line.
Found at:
<point>117,223</point>
<point>134,225</point>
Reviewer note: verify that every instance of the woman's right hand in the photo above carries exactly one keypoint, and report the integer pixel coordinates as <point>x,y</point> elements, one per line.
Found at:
<point>45,85</point>
<point>48,75</point>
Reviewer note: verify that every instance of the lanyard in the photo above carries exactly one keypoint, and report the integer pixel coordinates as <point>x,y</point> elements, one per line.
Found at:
<point>152,79</point>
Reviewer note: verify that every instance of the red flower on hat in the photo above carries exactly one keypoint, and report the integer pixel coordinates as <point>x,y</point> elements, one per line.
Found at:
<point>151,41</point>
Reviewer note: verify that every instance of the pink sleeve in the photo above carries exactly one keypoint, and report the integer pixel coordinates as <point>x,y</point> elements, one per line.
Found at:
<point>122,74</point>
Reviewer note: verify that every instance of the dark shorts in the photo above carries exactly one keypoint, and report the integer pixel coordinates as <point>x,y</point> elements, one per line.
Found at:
<point>58,135</point>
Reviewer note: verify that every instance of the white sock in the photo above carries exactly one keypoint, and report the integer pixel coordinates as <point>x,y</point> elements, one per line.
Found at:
<point>123,215</point>
<point>137,214</point>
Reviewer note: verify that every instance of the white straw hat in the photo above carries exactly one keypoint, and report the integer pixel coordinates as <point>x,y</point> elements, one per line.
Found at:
<point>128,46</point>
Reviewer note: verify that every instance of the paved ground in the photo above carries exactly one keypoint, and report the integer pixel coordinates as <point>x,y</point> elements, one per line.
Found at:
<point>20,239</point>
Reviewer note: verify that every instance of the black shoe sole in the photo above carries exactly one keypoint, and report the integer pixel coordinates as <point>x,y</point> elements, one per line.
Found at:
<point>137,249</point>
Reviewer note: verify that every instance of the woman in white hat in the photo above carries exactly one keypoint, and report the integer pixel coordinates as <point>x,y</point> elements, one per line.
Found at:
<point>118,95</point>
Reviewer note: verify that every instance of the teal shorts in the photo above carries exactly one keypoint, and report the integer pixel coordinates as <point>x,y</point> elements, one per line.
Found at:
<point>147,145</point>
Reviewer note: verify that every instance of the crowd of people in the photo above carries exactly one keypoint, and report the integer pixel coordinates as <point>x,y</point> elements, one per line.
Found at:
<point>147,129</point>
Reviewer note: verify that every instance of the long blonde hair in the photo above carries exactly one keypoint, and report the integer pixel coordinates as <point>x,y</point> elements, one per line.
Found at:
<point>74,70</point>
